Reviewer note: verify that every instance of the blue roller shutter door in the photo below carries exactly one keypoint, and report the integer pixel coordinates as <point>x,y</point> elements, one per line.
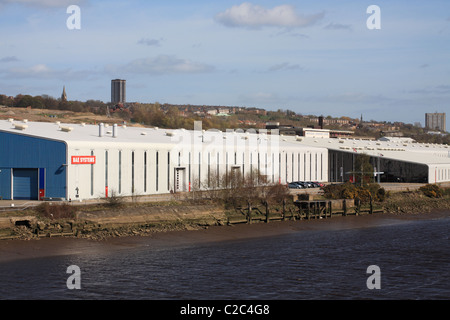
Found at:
<point>25,184</point>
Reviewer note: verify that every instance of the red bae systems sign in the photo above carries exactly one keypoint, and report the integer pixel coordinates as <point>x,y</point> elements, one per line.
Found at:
<point>83,159</point>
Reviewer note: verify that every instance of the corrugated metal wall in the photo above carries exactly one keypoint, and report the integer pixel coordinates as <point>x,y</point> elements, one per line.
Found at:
<point>22,152</point>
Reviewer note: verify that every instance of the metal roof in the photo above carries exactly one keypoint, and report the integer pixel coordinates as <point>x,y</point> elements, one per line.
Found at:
<point>421,153</point>
<point>76,134</point>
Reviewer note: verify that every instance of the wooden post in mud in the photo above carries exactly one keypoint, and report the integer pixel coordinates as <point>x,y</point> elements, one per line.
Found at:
<point>371,205</point>
<point>307,210</point>
<point>344,205</point>
<point>300,211</point>
<point>358,208</point>
<point>330,208</point>
<point>284,209</point>
<point>267,211</point>
<point>316,210</point>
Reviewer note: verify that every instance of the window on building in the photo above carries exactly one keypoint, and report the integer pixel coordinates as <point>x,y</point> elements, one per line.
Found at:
<point>189,173</point>
<point>251,165</point>
<point>321,166</point>
<point>92,176</point>
<point>315,158</point>
<point>279,167</point>
<point>304,166</point>
<point>293,166</point>
<point>218,166</point>
<point>259,165</point>
<point>120,172</point>
<point>209,170</point>
<point>106,168</point>
<point>243,165</point>
<point>265,167</point>
<point>168,171</point>
<point>273,168</point>
<point>132,173</point>
<point>286,168</point>
<point>199,169</point>
<point>157,170</point>
<point>145,171</point>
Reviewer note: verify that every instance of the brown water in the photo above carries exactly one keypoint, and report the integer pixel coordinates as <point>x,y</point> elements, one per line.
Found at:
<point>301,262</point>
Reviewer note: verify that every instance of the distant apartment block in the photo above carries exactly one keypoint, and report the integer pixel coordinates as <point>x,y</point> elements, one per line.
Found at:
<point>118,91</point>
<point>435,121</point>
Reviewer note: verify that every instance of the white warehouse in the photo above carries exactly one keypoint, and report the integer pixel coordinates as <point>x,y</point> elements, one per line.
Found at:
<point>77,161</point>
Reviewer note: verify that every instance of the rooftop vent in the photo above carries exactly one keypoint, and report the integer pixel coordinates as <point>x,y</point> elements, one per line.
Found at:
<point>66,129</point>
<point>101,129</point>
<point>114,132</point>
<point>20,126</point>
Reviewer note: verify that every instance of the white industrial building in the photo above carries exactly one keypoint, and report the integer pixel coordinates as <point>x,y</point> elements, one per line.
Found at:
<point>399,160</point>
<point>77,161</point>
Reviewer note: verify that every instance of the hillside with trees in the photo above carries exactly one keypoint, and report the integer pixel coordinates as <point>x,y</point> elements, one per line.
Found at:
<point>212,117</point>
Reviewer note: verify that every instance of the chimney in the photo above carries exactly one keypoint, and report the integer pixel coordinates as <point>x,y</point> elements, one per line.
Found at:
<point>114,133</point>
<point>101,129</point>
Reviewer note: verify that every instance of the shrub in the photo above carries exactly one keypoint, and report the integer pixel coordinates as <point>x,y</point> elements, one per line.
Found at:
<point>432,191</point>
<point>363,194</point>
<point>115,201</point>
<point>56,211</point>
<point>381,195</point>
<point>350,191</point>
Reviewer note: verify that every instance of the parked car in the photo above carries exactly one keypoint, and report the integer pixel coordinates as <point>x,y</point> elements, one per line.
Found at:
<point>301,184</point>
<point>308,184</point>
<point>319,183</point>
<point>294,185</point>
<point>314,184</point>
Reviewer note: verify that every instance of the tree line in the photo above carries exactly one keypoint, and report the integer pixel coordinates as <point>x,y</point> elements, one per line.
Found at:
<point>48,102</point>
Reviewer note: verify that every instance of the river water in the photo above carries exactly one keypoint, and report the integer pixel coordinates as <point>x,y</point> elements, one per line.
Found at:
<point>413,258</point>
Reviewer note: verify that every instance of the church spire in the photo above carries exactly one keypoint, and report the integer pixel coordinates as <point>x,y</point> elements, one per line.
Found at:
<point>64,95</point>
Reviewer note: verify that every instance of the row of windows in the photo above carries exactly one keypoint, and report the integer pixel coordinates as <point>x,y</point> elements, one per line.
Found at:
<point>295,165</point>
<point>133,187</point>
<point>443,174</point>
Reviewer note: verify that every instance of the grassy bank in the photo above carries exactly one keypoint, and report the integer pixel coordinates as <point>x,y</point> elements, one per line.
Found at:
<point>415,202</point>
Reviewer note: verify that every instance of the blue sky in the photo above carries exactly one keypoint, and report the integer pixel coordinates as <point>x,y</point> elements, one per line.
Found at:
<point>312,57</point>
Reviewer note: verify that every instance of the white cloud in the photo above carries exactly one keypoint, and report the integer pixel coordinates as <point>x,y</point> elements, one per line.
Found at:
<point>162,64</point>
<point>338,26</point>
<point>9,59</point>
<point>44,72</point>
<point>39,71</point>
<point>254,16</point>
<point>151,42</point>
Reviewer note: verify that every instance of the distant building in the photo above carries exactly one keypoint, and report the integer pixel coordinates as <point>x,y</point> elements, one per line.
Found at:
<point>290,130</point>
<point>118,91</point>
<point>435,121</point>
<point>315,133</point>
<point>64,95</point>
